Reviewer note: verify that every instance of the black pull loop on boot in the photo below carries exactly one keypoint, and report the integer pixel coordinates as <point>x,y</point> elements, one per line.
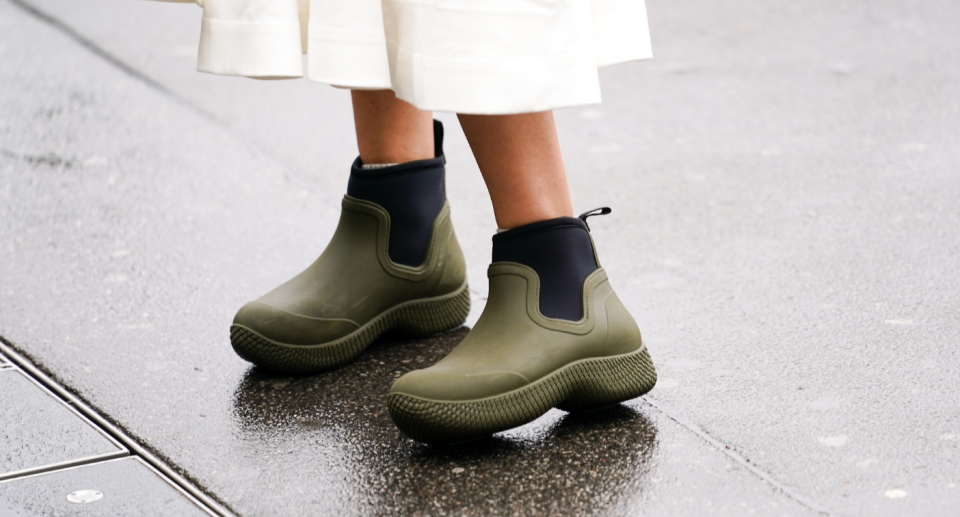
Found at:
<point>596,211</point>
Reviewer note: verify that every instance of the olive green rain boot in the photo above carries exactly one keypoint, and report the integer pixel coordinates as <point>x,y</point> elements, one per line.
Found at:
<point>553,334</point>
<point>393,264</point>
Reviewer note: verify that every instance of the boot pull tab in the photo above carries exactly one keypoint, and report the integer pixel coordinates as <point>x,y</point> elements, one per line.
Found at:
<point>596,211</point>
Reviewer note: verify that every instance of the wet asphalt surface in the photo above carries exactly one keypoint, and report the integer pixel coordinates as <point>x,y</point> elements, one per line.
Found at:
<point>785,228</point>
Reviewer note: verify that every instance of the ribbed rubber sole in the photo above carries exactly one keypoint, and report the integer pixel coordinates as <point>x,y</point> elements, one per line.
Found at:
<point>417,318</point>
<point>584,385</point>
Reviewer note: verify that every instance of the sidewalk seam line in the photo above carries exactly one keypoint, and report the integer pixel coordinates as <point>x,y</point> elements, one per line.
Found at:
<point>120,452</point>
<point>134,447</point>
<point>130,457</point>
<point>63,465</point>
<point>70,407</point>
<point>732,454</point>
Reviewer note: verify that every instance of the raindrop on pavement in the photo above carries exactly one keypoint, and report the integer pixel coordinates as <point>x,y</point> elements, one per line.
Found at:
<point>84,496</point>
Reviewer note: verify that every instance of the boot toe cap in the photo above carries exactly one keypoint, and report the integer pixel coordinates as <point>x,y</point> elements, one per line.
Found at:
<point>288,328</point>
<point>451,386</point>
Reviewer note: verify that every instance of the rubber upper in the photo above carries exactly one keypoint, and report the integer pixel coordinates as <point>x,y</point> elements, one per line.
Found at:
<point>354,280</point>
<point>289,328</point>
<point>513,344</point>
<point>452,384</point>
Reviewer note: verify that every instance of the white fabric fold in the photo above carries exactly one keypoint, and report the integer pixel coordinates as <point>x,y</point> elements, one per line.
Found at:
<point>621,31</point>
<point>347,47</point>
<point>251,38</point>
<point>465,56</point>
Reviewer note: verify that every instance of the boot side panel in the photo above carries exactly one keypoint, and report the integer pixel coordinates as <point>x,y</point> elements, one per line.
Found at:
<point>347,280</point>
<point>452,264</point>
<point>623,333</point>
<point>506,339</point>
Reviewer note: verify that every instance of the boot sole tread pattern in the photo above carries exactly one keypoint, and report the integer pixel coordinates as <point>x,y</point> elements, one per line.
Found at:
<point>584,385</point>
<point>412,319</point>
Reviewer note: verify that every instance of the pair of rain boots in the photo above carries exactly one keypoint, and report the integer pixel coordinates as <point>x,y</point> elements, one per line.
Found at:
<point>552,334</point>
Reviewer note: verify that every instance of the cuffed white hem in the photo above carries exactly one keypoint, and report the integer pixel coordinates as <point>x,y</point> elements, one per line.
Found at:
<point>251,49</point>
<point>622,36</point>
<point>350,59</point>
<point>496,87</point>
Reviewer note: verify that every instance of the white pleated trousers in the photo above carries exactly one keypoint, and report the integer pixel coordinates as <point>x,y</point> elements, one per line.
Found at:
<point>463,56</point>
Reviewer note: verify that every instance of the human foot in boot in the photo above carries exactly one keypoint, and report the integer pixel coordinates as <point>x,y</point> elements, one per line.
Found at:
<point>553,334</point>
<point>393,264</point>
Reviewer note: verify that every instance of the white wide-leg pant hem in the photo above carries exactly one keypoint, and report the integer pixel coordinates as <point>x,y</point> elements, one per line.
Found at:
<point>348,59</point>
<point>496,87</point>
<point>464,56</point>
<point>621,33</point>
<point>259,49</point>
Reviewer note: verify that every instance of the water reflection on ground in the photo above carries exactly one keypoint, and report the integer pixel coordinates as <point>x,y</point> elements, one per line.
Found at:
<point>334,428</point>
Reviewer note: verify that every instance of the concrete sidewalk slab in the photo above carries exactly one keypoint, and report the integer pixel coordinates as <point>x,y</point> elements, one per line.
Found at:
<point>783,179</point>
<point>39,433</point>
<point>119,487</point>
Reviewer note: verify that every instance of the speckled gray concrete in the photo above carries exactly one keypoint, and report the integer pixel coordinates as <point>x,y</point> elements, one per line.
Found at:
<point>37,431</point>
<point>782,178</point>
<point>129,487</point>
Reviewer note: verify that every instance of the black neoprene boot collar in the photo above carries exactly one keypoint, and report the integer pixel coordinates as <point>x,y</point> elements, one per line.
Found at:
<point>540,226</point>
<point>413,193</point>
<point>561,253</point>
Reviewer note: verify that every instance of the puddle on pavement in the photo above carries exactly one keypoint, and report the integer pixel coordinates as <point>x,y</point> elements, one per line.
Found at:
<point>334,428</point>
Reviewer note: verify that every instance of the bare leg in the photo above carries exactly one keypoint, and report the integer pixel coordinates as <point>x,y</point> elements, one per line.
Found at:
<point>519,157</point>
<point>390,130</point>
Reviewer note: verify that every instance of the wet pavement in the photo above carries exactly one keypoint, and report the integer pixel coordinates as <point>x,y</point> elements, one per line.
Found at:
<point>38,433</point>
<point>785,229</point>
<point>124,486</point>
<point>627,460</point>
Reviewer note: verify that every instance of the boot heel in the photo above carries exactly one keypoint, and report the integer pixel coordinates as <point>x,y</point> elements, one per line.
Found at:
<point>425,318</point>
<point>605,382</point>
